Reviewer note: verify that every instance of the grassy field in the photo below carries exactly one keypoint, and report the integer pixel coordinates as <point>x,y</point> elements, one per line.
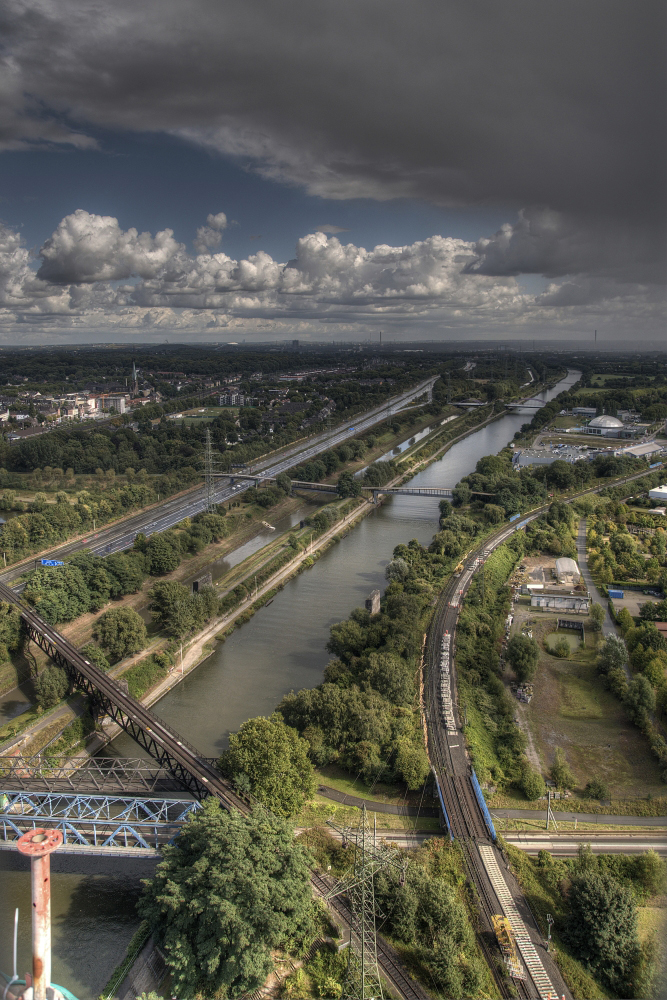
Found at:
<point>342,781</point>
<point>321,809</point>
<point>572,709</point>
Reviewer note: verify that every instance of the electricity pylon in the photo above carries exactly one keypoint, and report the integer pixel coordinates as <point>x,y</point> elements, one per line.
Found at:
<point>362,981</point>
<point>209,472</point>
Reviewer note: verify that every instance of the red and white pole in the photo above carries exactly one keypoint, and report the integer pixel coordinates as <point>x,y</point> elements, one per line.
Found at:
<point>38,845</point>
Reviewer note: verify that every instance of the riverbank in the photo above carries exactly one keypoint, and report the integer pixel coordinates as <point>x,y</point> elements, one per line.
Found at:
<point>199,647</point>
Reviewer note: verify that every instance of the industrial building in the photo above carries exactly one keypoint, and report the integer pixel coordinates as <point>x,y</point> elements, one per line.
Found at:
<point>578,603</point>
<point>567,571</point>
<point>659,493</point>
<point>608,426</point>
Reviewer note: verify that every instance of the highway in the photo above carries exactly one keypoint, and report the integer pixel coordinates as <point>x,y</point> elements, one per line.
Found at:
<point>117,537</point>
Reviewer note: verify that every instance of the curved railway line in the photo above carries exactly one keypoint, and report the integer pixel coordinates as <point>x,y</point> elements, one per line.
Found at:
<point>463,811</point>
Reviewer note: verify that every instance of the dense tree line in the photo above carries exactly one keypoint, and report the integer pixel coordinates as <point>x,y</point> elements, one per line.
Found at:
<point>46,524</point>
<point>495,489</point>
<point>363,714</point>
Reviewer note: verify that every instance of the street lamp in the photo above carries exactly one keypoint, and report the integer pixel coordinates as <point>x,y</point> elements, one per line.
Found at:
<point>550,921</point>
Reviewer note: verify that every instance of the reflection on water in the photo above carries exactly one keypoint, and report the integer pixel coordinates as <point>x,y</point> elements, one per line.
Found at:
<point>283,647</point>
<point>13,703</point>
<point>93,918</point>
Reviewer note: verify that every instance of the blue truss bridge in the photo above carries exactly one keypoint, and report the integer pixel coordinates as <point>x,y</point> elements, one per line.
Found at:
<point>95,824</point>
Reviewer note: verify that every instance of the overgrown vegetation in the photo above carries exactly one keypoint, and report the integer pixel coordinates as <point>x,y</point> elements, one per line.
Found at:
<point>594,900</point>
<point>229,891</point>
<point>423,909</point>
<point>364,715</point>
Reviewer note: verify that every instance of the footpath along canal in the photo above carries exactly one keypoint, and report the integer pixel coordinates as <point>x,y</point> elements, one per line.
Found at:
<point>282,648</point>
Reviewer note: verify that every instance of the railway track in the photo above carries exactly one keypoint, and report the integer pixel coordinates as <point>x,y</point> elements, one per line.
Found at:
<point>388,958</point>
<point>174,752</point>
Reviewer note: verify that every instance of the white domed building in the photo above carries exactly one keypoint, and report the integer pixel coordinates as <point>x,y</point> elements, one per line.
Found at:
<point>608,426</point>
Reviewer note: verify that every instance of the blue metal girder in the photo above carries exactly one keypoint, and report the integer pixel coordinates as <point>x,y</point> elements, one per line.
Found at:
<point>95,822</point>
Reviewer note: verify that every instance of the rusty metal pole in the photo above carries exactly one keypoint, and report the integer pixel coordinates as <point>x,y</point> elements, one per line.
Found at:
<point>38,845</point>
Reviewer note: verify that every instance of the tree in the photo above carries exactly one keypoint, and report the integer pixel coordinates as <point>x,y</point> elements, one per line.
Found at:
<point>561,773</point>
<point>493,513</point>
<point>120,631</point>
<point>162,555</point>
<point>596,789</point>
<point>601,927</point>
<point>640,699</point>
<point>412,764</point>
<point>284,483</point>
<point>95,655</point>
<point>532,784</point>
<point>597,616</point>
<point>273,759</point>
<point>229,891</point>
<point>624,620</point>
<point>51,686</point>
<point>397,570</point>
<point>612,655</point>
<point>10,628</point>
<point>522,655</point>
<point>348,486</point>
<point>126,572</point>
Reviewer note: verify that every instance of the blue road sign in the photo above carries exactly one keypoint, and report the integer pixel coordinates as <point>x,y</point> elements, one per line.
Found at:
<point>52,562</point>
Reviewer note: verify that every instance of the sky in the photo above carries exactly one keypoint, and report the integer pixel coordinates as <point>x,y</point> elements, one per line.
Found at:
<point>325,170</point>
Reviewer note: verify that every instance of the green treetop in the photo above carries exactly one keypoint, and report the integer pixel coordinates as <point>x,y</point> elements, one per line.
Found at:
<point>271,760</point>
<point>231,889</point>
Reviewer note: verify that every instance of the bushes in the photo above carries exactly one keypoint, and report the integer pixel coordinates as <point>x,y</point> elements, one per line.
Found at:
<point>561,648</point>
<point>147,673</point>
<point>120,631</point>
<point>51,686</point>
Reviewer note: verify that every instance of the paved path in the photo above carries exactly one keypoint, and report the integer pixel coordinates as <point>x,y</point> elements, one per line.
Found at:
<point>372,806</point>
<point>608,627</point>
<point>569,817</point>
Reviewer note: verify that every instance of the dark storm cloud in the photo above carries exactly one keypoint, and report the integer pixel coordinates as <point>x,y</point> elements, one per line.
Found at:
<point>469,102</point>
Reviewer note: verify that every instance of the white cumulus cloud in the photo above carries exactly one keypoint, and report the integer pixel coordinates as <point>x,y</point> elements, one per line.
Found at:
<point>87,248</point>
<point>210,235</point>
<point>96,276</point>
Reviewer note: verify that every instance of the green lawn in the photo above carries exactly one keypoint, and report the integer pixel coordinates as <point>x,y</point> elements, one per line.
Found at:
<point>342,781</point>
<point>572,709</point>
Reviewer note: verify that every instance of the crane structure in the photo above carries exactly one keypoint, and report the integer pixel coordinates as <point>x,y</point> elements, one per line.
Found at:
<point>363,980</point>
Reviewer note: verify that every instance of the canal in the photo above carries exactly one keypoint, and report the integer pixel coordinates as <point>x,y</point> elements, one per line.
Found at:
<point>282,648</point>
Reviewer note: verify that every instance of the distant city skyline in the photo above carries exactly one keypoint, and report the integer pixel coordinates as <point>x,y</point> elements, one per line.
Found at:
<point>324,172</point>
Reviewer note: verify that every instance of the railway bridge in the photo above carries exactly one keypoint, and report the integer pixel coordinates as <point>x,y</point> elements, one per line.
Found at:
<point>194,773</point>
